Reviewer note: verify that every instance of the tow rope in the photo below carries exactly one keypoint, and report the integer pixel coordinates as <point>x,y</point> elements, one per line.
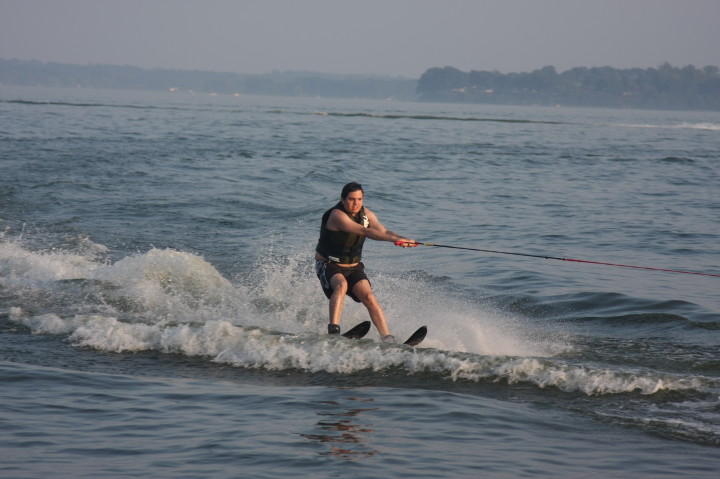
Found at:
<point>399,243</point>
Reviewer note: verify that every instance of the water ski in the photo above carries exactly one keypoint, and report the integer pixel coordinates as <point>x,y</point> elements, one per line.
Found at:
<point>358,331</point>
<point>417,337</point>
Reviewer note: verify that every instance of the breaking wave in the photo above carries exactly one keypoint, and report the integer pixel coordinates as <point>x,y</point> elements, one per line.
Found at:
<point>176,302</point>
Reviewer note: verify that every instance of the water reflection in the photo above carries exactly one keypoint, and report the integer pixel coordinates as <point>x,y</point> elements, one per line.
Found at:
<point>341,431</point>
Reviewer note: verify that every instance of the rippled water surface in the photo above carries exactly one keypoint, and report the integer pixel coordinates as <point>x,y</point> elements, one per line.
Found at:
<point>159,315</point>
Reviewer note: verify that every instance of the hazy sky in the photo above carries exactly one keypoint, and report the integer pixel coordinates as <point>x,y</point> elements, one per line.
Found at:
<point>393,37</point>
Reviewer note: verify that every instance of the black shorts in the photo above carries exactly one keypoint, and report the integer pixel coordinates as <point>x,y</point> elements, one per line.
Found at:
<point>325,270</point>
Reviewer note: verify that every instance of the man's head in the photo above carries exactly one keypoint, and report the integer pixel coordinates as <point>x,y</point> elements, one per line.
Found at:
<point>352,197</point>
<point>349,188</point>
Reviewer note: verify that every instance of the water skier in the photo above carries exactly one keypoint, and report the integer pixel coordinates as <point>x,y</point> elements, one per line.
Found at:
<point>343,231</point>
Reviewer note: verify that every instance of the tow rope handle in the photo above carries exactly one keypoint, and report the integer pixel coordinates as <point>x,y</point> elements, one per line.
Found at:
<point>407,244</point>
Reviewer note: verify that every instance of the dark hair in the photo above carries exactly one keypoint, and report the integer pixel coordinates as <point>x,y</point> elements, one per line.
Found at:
<point>349,188</point>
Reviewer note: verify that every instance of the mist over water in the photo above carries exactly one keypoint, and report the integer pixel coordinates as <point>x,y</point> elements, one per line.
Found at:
<point>155,256</point>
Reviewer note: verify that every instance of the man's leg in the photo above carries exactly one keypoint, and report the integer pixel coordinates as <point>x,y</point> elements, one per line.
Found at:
<point>337,300</point>
<point>364,293</point>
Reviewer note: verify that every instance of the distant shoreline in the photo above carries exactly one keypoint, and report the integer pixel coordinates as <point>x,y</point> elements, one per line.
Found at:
<point>665,87</point>
<point>302,84</point>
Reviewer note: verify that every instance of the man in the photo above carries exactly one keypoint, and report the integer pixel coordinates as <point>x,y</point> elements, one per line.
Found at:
<point>343,231</point>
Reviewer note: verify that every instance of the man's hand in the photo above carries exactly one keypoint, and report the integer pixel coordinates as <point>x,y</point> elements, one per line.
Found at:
<point>406,243</point>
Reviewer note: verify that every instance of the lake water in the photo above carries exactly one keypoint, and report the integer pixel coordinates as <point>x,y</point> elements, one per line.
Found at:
<point>160,317</point>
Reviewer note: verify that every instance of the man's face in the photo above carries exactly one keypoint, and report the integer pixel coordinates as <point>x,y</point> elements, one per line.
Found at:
<point>353,202</point>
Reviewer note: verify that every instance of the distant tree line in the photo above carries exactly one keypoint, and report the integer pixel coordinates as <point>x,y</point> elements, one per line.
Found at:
<point>36,73</point>
<point>666,87</point>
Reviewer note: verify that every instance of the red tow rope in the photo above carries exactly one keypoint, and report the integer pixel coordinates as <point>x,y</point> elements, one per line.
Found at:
<point>399,243</point>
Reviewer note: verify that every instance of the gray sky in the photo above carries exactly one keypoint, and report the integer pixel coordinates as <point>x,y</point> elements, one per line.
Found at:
<point>393,37</point>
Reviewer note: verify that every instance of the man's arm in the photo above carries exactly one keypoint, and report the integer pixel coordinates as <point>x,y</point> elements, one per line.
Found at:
<point>339,221</point>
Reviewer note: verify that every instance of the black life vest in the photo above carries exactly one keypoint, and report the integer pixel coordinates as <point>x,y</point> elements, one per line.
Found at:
<point>339,246</point>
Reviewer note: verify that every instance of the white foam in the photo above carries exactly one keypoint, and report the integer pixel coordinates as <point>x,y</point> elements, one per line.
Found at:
<point>700,126</point>
<point>19,266</point>
<point>252,347</point>
<point>177,302</point>
<point>166,285</point>
<point>682,126</point>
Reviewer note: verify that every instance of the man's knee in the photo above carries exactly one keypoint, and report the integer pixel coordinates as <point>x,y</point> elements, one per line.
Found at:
<point>366,296</point>
<point>370,302</point>
<point>339,284</point>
